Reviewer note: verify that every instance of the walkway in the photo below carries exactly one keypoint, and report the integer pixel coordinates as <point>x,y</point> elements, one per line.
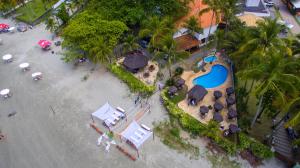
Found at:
<point>287,16</point>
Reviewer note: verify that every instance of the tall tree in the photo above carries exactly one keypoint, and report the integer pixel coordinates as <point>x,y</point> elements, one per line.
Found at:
<point>273,75</point>
<point>264,40</point>
<point>156,28</point>
<point>130,43</point>
<point>213,6</point>
<point>87,33</point>
<point>193,26</point>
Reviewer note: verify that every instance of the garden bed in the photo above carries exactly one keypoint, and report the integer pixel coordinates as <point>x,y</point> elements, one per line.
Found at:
<point>134,84</point>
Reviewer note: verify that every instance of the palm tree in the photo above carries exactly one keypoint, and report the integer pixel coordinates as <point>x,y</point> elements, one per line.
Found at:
<point>264,41</point>
<point>156,28</point>
<point>213,6</point>
<point>273,75</point>
<point>130,44</point>
<point>169,49</point>
<point>192,25</point>
<point>292,108</point>
<point>229,10</point>
<point>100,52</point>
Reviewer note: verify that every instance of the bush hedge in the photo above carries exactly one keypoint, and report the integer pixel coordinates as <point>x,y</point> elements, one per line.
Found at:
<point>192,125</point>
<point>134,84</point>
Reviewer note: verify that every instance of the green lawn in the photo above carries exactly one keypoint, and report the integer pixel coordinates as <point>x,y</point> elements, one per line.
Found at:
<point>34,9</point>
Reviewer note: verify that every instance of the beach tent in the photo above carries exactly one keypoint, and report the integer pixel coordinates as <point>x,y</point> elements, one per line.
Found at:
<point>108,114</point>
<point>135,134</point>
<point>4,26</point>
<point>44,43</point>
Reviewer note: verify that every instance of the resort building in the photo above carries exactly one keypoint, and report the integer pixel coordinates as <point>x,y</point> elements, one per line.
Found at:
<point>206,21</point>
<point>256,7</point>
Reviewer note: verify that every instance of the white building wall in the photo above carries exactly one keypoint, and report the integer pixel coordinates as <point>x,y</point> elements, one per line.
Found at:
<point>252,3</point>
<point>199,36</point>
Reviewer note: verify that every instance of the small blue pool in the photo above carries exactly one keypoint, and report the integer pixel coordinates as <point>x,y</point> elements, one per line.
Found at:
<point>210,58</point>
<point>214,78</point>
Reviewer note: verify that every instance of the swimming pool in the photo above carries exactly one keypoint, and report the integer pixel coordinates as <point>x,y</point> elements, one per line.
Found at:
<point>210,58</point>
<point>214,78</point>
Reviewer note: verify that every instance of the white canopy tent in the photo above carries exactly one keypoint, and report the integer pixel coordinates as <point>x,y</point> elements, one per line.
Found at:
<point>108,114</point>
<point>136,134</point>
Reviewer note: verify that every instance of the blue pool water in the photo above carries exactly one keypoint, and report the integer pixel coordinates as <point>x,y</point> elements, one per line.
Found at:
<point>214,78</point>
<point>210,58</point>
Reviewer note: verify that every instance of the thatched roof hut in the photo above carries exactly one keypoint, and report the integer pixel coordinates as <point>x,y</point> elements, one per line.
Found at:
<point>217,94</point>
<point>196,94</point>
<point>218,117</point>
<point>135,60</point>
<point>218,106</point>
<point>230,90</point>
<point>230,101</point>
<point>232,113</point>
<point>204,110</point>
<point>179,82</point>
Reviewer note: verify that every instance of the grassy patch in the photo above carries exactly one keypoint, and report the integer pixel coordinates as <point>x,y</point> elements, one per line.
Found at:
<point>222,161</point>
<point>170,136</point>
<point>134,84</point>
<point>181,94</point>
<point>33,10</point>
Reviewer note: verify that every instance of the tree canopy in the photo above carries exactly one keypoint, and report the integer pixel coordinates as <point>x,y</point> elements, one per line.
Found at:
<point>133,12</point>
<point>95,37</point>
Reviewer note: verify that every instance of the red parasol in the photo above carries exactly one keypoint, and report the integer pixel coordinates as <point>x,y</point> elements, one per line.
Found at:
<point>44,43</point>
<point>4,26</point>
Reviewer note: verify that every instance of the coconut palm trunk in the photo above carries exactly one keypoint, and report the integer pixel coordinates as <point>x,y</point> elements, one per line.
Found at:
<point>258,111</point>
<point>211,22</point>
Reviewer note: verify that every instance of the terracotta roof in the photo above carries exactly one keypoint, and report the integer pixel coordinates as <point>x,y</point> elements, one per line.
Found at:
<point>195,7</point>
<point>186,42</point>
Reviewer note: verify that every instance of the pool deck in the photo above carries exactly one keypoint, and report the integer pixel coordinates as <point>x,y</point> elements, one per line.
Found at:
<point>189,76</point>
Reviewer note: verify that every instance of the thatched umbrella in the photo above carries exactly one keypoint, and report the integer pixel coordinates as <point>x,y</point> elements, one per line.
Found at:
<point>217,94</point>
<point>229,90</point>
<point>196,94</point>
<point>233,128</point>
<point>218,117</point>
<point>204,110</point>
<point>179,82</point>
<point>230,101</point>
<point>135,60</point>
<point>218,106</point>
<point>172,90</point>
<point>232,113</point>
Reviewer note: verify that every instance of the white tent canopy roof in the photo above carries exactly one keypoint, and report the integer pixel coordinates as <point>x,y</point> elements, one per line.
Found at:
<point>136,134</point>
<point>108,114</point>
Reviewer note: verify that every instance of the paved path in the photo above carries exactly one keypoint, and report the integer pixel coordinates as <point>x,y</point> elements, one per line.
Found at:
<point>287,16</point>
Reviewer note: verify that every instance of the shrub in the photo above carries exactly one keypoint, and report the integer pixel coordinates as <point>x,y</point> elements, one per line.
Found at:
<point>178,71</point>
<point>134,84</point>
<point>170,82</point>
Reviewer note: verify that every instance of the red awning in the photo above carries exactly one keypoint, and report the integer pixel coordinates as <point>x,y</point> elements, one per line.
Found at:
<point>44,43</point>
<point>4,26</point>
